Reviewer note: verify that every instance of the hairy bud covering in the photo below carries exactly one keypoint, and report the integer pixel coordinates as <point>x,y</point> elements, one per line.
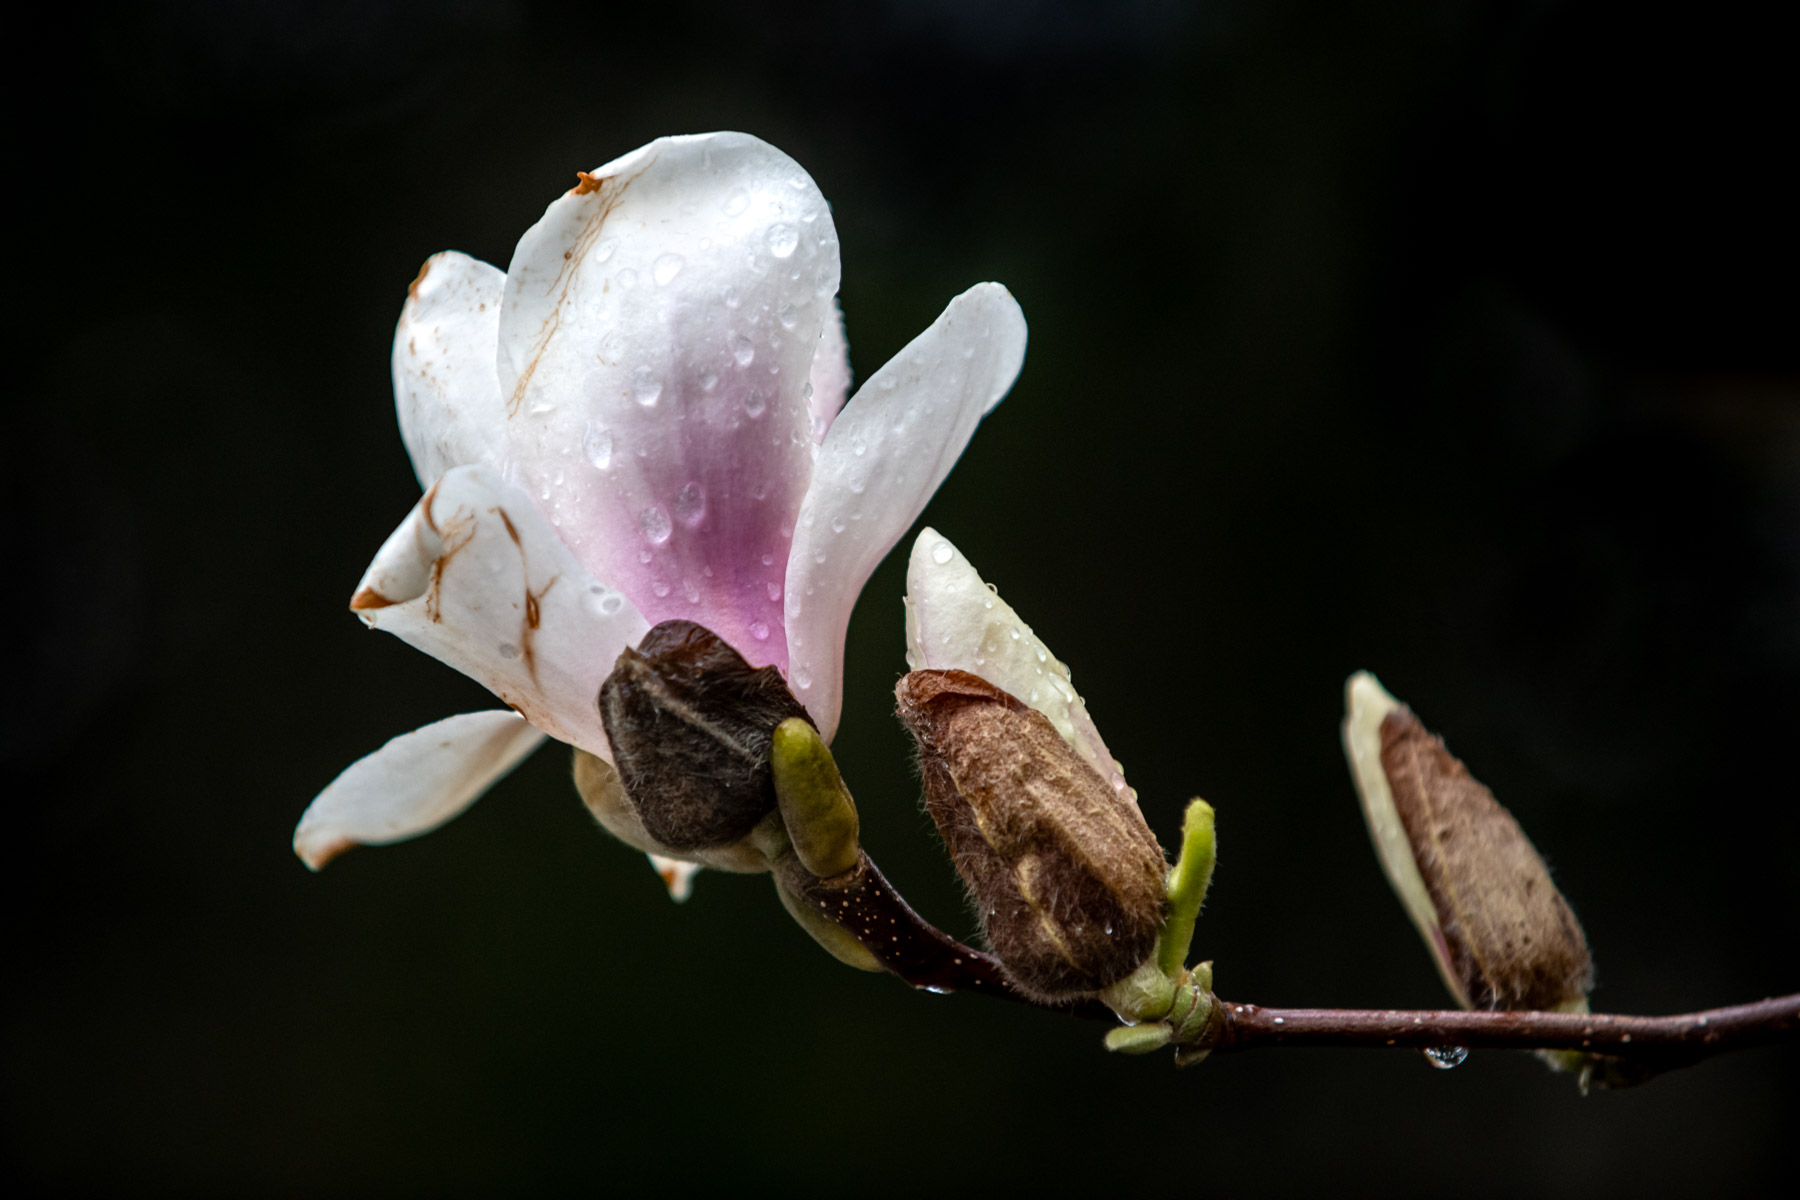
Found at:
<point>1067,878</point>
<point>690,724</point>
<point>1503,936</point>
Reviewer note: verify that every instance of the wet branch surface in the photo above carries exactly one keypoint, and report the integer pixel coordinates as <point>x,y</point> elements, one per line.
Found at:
<point>1667,1041</point>
<point>866,904</point>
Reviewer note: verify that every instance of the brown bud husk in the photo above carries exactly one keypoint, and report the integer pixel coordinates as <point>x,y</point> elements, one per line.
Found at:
<point>1067,879</point>
<point>690,724</point>
<point>1509,938</point>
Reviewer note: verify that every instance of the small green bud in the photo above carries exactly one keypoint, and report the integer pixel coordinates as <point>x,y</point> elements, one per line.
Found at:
<point>1187,886</point>
<point>1138,1039</point>
<point>815,805</point>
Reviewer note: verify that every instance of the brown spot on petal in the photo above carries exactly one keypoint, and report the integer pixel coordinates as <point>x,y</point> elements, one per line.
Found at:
<point>367,598</point>
<point>412,289</point>
<point>319,856</point>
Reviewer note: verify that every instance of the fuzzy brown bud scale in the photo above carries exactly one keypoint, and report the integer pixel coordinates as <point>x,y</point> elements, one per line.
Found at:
<point>690,723</point>
<point>1510,938</point>
<point>1067,878</point>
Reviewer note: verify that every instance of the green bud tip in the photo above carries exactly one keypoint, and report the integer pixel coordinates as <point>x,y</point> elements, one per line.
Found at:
<point>815,805</point>
<point>1187,887</point>
<point>1138,1039</point>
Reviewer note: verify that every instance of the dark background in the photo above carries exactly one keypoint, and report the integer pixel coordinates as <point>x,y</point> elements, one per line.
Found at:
<point>1450,340</point>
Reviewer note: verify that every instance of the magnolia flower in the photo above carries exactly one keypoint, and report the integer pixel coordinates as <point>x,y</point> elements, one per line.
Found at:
<point>640,420</point>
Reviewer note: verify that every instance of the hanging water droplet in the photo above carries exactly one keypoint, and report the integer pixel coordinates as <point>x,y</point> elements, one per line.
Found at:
<point>759,630</point>
<point>783,239</point>
<point>788,316</point>
<point>1446,1057</point>
<point>690,503</point>
<point>654,524</point>
<point>596,443</point>
<point>755,403</point>
<point>742,349</point>
<point>736,202</point>
<point>666,268</point>
<point>942,553</point>
<point>646,386</point>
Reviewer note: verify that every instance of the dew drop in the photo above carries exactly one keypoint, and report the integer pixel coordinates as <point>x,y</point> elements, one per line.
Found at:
<point>768,560</point>
<point>942,553</point>
<point>837,524</point>
<point>858,447</point>
<point>540,408</point>
<point>802,677</point>
<point>666,268</point>
<point>774,589</point>
<point>732,300</point>
<point>742,349</point>
<point>1446,1057</point>
<point>605,249</point>
<point>737,202</point>
<point>784,239</point>
<point>654,524</point>
<point>708,382</point>
<point>646,386</point>
<point>755,403</point>
<point>661,590</point>
<point>626,279</point>
<point>759,630</point>
<point>690,503</point>
<point>788,316</point>
<point>596,443</point>
<point>691,591</point>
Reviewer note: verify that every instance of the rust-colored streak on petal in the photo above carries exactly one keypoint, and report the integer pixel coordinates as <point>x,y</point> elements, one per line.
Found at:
<point>425,510</point>
<point>528,628</point>
<point>589,183</point>
<point>368,598</point>
<point>412,289</point>
<point>512,530</point>
<point>573,259</point>
<point>321,855</point>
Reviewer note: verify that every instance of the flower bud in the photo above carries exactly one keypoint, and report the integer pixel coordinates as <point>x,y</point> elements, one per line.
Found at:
<point>1501,933</point>
<point>690,724</point>
<point>1066,877</point>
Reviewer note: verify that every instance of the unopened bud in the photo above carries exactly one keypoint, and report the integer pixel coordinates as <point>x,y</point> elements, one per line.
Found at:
<point>1066,877</point>
<point>1501,933</point>
<point>690,724</point>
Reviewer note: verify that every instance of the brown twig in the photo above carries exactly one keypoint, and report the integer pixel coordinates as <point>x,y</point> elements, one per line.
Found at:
<point>1664,1041</point>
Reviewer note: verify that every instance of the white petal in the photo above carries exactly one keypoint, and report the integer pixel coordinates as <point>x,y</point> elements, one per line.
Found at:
<point>1366,705</point>
<point>476,577</point>
<point>830,373</point>
<point>677,875</point>
<point>659,331</point>
<point>413,784</point>
<point>446,389</point>
<point>956,622</point>
<point>886,454</point>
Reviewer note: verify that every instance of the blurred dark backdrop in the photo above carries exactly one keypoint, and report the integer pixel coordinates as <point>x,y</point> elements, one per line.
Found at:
<point>1450,340</point>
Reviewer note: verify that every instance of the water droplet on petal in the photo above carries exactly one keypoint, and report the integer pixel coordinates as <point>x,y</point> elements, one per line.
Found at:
<point>646,386</point>
<point>708,382</point>
<point>742,349</point>
<point>605,249</point>
<point>788,316</point>
<point>737,202</point>
<point>942,553</point>
<point>666,268</point>
<point>759,630</point>
<point>755,403</point>
<point>774,589</point>
<point>731,298</point>
<point>660,589</point>
<point>802,677</point>
<point>596,443</point>
<point>654,524</point>
<point>626,279</point>
<point>858,447</point>
<point>690,503</point>
<point>783,239</point>
<point>1446,1057</point>
<point>837,524</point>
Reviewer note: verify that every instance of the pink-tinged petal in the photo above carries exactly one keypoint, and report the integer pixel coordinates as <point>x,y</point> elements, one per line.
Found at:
<point>475,576</point>
<point>677,875</point>
<point>413,784</point>
<point>886,454</point>
<point>830,374</point>
<point>446,389</point>
<point>957,622</point>
<point>658,335</point>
